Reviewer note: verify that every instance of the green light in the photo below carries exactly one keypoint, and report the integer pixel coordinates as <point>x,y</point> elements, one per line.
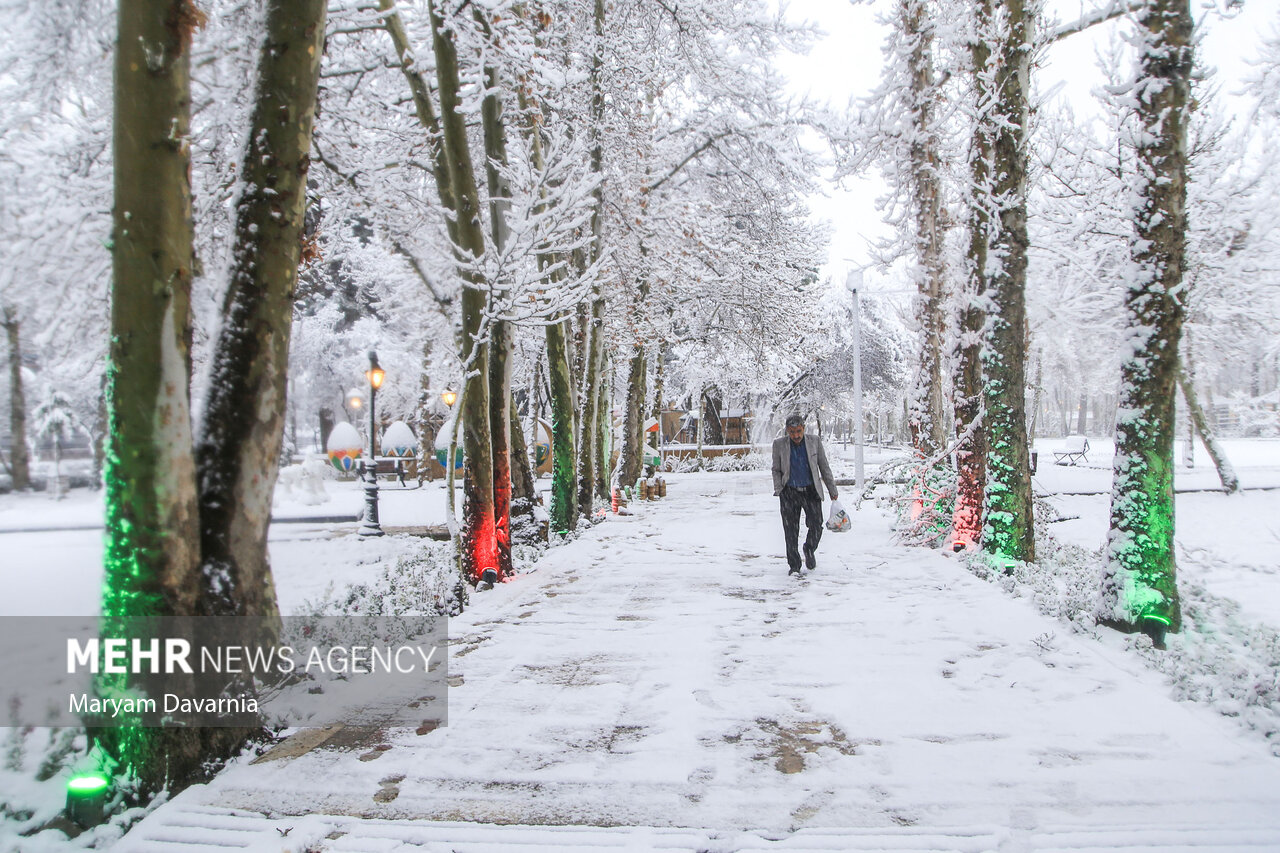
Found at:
<point>87,786</point>
<point>1164,620</point>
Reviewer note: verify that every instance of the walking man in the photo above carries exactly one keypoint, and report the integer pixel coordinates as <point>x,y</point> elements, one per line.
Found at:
<point>798,462</point>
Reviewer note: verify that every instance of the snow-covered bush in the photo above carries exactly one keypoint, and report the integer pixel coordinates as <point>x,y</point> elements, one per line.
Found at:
<point>1218,658</point>
<point>922,501</point>
<point>405,601</point>
<point>750,462</point>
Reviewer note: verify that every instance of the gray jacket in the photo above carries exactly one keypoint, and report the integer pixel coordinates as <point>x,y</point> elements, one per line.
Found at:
<point>818,466</point>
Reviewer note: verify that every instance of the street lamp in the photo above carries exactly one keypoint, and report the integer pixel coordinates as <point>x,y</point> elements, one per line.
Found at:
<point>375,374</point>
<point>449,396</point>
<point>852,282</point>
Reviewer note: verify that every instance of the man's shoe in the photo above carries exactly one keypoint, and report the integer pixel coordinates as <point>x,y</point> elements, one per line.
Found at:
<point>795,570</point>
<point>810,562</point>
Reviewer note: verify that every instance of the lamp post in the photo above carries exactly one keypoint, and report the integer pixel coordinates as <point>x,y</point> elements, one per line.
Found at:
<point>375,374</point>
<point>854,281</point>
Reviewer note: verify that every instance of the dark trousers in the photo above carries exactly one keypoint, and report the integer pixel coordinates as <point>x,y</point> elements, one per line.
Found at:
<point>793,500</point>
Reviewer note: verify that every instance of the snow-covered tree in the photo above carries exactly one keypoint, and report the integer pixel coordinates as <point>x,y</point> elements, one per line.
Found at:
<point>1139,583</point>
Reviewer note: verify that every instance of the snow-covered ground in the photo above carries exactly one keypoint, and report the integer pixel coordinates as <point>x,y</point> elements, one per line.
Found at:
<point>661,676</point>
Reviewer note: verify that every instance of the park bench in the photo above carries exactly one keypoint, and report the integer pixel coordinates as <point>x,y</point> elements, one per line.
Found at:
<point>1073,451</point>
<point>390,466</point>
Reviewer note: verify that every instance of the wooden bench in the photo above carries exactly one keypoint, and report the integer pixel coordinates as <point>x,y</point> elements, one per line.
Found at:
<point>391,466</point>
<point>1073,451</point>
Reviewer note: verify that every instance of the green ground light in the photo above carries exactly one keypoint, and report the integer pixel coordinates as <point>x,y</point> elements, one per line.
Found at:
<point>87,799</point>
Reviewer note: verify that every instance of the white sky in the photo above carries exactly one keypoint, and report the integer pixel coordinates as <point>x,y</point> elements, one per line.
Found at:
<point>846,64</point>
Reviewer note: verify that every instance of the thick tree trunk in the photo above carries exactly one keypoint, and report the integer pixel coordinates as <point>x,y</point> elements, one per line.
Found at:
<point>564,507</point>
<point>1008,532</point>
<point>152,523</point>
<point>524,524</point>
<point>1082,414</point>
<point>1226,473</point>
<point>928,426</point>
<point>480,551</point>
<point>19,461</point>
<point>495,148</point>
<point>655,411</point>
<point>604,430</point>
<point>629,455</point>
<point>588,439</point>
<point>239,449</point>
<point>500,430</point>
<point>1140,589</point>
<point>715,424</point>
<point>971,452</point>
<point>597,462</point>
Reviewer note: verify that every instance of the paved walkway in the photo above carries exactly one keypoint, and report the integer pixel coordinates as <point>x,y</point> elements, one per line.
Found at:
<point>662,684</point>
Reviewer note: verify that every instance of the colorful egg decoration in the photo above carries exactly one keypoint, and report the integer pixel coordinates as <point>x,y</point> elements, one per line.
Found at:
<point>442,447</point>
<point>542,461</point>
<point>344,447</point>
<point>399,441</point>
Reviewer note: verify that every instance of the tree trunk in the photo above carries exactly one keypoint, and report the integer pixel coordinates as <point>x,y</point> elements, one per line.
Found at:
<point>628,468</point>
<point>479,536</point>
<point>495,147</point>
<point>19,461</point>
<point>238,453</point>
<point>927,423</point>
<point>1226,473</point>
<point>1139,583</point>
<point>715,425</point>
<point>659,381</point>
<point>480,551</point>
<point>971,469</point>
<point>1082,414</point>
<point>500,429</point>
<point>564,507</point>
<point>604,431</point>
<point>152,523</point>
<point>590,445</point>
<point>1008,533</point>
<point>524,524</point>
<point>588,439</point>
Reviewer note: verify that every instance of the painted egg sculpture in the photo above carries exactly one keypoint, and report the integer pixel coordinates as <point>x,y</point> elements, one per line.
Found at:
<point>399,441</point>
<point>442,447</point>
<point>344,447</point>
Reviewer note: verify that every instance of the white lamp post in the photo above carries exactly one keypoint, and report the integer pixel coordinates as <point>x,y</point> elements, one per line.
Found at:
<point>853,281</point>
<point>355,398</point>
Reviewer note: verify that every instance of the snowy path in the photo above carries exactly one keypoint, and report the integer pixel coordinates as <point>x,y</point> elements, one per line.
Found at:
<point>664,677</point>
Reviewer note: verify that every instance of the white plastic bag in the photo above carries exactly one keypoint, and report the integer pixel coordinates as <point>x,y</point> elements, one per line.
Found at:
<point>838,521</point>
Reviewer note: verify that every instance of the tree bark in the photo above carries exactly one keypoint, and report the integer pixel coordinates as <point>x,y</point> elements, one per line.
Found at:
<point>564,506</point>
<point>715,425</point>
<point>480,551</point>
<point>1226,473</point>
<point>524,524</point>
<point>927,423</point>
<point>238,453</point>
<point>495,148</point>
<point>1140,582</point>
<point>604,430</point>
<point>588,443</point>
<point>500,430</point>
<point>152,523</point>
<point>628,468</point>
<point>589,440</point>
<point>1008,533</point>
<point>971,452</point>
<point>19,461</point>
